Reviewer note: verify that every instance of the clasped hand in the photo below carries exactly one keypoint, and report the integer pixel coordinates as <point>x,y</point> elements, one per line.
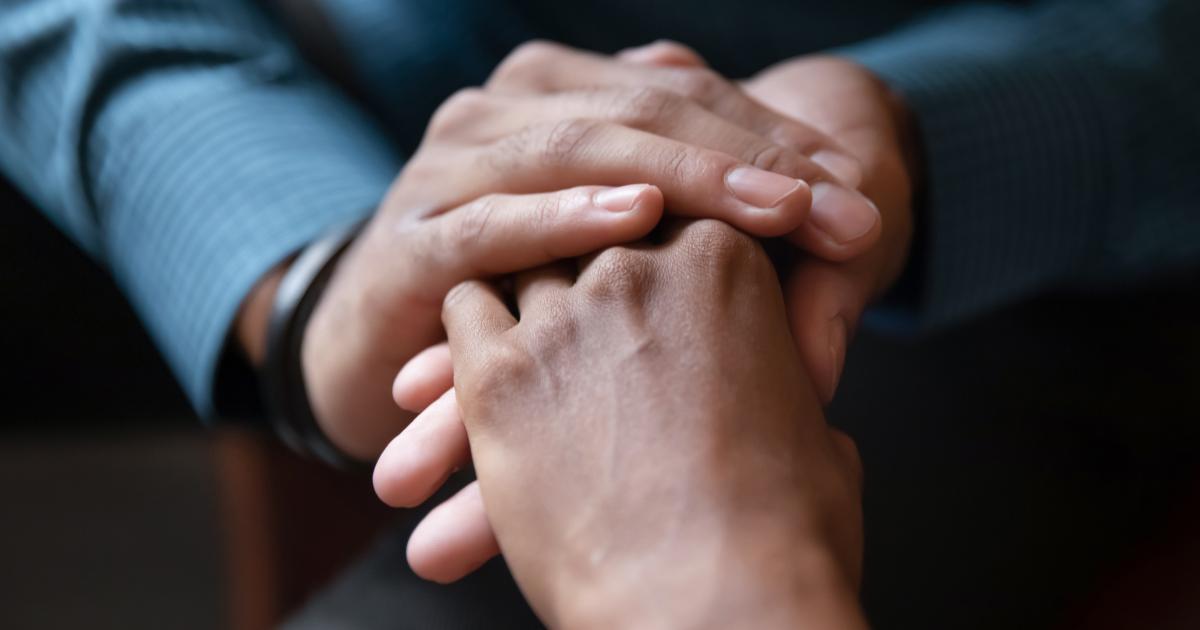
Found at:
<point>484,196</point>
<point>489,192</point>
<point>648,446</point>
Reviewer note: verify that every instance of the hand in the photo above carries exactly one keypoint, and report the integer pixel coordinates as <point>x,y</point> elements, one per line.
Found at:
<point>649,448</point>
<point>441,223</point>
<point>845,101</point>
<point>825,300</point>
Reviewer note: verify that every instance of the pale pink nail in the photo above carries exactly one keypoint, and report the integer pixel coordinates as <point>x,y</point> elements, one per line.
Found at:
<point>759,188</point>
<point>621,199</point>
<point>841,213</point>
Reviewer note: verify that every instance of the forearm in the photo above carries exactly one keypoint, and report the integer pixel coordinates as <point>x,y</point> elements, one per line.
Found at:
<point>190,149</point>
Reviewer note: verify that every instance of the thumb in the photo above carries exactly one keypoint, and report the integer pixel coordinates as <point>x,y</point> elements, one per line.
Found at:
<point>825,302</point>
<point>424,378</point>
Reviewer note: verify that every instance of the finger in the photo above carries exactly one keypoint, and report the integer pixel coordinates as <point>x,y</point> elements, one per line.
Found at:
<point>454,539</point>
<point>504,233</point>
<point>842,224</point>
<point>825,302</point>
<point>696,181</point>
<point>662,53</point>
<point>424,378</point>
<point>541,290</point>
<point>419,460</point>
<point>473,314</point>
<point>655,110</point>
<point>541,67</point>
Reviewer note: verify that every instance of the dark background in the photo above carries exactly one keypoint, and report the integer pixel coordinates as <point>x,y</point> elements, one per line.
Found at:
<point>109,516</point>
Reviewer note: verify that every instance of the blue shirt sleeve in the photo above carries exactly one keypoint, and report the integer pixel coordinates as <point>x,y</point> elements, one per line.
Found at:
<point>186,147</point>
<point>1060,142</point>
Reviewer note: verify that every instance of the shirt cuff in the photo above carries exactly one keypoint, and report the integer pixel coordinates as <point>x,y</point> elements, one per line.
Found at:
<point>208,189</point>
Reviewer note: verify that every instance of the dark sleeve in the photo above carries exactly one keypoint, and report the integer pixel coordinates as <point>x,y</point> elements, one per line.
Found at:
<point>1061,144</point>
<point>185,146</point>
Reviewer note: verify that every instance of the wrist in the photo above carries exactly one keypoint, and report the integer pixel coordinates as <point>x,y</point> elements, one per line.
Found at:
<point>254,315</point>
<point>295,295</point>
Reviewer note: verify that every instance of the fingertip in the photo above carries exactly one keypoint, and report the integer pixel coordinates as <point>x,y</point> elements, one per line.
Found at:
<point>419,460</point>
<point>402,391</point>
<point>423,378</point>
<point>824,304</point>
<point>453,540</point>
<point>636,208</point>
<point>426,554</point>
<point>818,243</point>
<point>649,203</point>
<point>630,198</point>
<point>843,223</point>
<point>385,476</point>
<point>789,214</point>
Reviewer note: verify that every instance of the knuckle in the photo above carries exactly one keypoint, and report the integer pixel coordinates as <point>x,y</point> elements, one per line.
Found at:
<point>526,61</point>
<point>678,166</point>
<point>455,296</point>
<point>463,108</point>
<point>618,274</point>
<point>720,244</point>
<point>772,157</point>
<point>699,84</point>
<point>645,106</point>
<point>549,336</point>
<point>505,360</point>
<point>547,208</point>
<point>789,134</point>
<point>511,152</point>
<point>475,221</point>
<point>496,370</point>
<point>562,140</point>
<point>677,48</point>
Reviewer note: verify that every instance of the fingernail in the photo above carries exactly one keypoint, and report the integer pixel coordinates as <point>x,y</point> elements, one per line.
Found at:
<point>759,188</point>
<point>841,213</point>
<point>621,199</point>
<point>837,353</point>
<point>845,168</point>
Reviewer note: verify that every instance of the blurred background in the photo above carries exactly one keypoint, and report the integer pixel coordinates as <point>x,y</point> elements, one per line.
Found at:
<point>120,510</point>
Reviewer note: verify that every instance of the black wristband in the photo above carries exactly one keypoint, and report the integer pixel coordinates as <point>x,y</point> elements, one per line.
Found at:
<point>284,392</point>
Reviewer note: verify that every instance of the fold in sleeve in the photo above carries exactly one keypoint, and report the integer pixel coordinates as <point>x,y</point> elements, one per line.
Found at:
<point>186,147</point>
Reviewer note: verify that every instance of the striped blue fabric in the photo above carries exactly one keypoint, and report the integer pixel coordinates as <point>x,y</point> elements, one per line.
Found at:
<point>186,145</point>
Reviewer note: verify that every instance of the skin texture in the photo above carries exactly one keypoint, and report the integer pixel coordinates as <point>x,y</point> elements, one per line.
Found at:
<point>824,299</point>
<point>683,475</point>
<point>458,210</point>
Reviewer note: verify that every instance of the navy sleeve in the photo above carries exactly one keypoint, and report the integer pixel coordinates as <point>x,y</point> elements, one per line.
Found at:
<point>1061,144</point>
